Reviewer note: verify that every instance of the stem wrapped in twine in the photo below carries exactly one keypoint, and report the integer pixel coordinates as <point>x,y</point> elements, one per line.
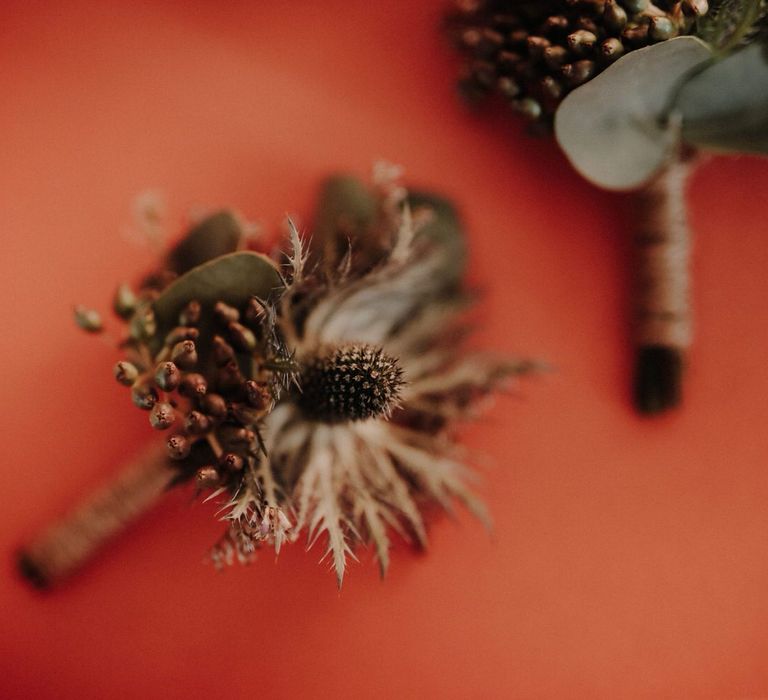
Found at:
<point>663,314</point>
<point>72,541</point>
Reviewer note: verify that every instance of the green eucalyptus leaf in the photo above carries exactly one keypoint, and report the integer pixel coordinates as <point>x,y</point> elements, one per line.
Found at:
<point>445,230</point>
<point>216,235</point>
<point>347,209</point>
<point>232,278</point>
<point>345,203</point>
<point>725,107</point>
<point>729,23</point>
<point>611,128</point>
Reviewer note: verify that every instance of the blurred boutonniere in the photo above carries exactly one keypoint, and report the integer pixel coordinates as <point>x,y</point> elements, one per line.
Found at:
<point>313,392</point>
<point>634,91</point>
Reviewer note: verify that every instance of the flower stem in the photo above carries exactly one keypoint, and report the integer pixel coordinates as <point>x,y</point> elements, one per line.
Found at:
<point>662,313</point>
<point>71,542</point>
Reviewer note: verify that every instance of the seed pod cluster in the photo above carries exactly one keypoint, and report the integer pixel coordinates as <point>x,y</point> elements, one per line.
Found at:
<point>532,53</point>
<point>212,378</point>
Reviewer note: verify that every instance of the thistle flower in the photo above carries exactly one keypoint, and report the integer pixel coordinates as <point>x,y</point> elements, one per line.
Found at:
<point>361,440</point>
<point>317,396</point>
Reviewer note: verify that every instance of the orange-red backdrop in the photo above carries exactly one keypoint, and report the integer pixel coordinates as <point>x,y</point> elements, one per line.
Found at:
<point>630,556</point>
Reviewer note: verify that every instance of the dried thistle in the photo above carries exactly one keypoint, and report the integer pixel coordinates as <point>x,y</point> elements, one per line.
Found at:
<point>316,395</point>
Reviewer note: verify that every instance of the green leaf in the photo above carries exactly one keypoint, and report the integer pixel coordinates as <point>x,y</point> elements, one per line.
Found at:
<point>444,230</point>
<point>611,128</point>
<point>346,209</point>
<point>216,235</point>
<point>232,278</point>
<point>729,23</point>
<point>725,107</point>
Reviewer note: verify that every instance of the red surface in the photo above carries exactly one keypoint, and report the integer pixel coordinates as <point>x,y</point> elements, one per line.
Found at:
<point>630,556</point>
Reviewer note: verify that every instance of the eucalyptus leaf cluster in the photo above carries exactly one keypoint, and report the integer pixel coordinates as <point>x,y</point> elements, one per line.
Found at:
<point>708,92</point>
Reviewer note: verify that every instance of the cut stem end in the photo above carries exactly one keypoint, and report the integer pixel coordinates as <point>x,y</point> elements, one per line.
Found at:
<point>31,572</point>
<point>72,541</point>
<point>658,379</point>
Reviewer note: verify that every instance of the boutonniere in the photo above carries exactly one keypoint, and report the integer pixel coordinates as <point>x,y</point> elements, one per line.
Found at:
<point>313,393</point>
<point>634,91</point>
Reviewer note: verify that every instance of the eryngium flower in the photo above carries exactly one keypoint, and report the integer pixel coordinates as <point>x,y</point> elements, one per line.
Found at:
<point>319,396</point>
<point>349,383</point>
<point>363,440</point>
<point>532,53</point>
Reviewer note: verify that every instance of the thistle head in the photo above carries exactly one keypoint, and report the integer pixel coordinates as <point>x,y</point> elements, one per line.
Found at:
<point>221,350</point>
<point>349,383</point>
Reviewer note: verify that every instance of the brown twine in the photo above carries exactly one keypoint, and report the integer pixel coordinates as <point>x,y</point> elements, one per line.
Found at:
<point>662,243</point>
<point>67,545</point>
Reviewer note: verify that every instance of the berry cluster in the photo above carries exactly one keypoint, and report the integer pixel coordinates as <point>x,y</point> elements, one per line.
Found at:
<point>533,52</point>
<point>210,380</point>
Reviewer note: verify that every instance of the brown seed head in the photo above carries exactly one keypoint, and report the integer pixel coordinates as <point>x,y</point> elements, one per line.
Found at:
<point>178,447</point>
<point>207,477</point>
<point>349,383</point>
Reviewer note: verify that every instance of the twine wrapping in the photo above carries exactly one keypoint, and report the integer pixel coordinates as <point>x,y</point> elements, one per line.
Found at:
<point>662,242</point>
<point>72,541</point>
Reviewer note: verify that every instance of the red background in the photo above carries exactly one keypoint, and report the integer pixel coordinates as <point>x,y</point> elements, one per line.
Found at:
<point>630,556</point>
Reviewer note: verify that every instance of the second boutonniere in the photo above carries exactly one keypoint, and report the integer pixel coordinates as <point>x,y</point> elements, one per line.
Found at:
<point>633,91</point>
